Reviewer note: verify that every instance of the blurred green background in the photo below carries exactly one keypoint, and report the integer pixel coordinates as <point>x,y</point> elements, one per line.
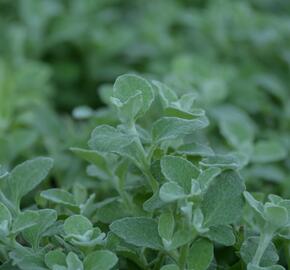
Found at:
<point>59,58</point>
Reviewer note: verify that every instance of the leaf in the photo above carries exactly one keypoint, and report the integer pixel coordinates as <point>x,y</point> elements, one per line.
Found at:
<point>195,149</point>
<point>46,218</point>
<point>126,87</point>
<point>128,110</point>
<point>26,176</point>
<point>138,231</point>
<point>55,257</point>
<point>268,151</point>
<point>101,259</point>
<point>73,262</point>
<point>276,215</point>
<point>256,205</point>
<point>180,238</point>
<point>95,158</point>
<point>223,202</point>
<point>170,128</point>
<point>5,214</point>
<point>167,95</point>
<point>166,225</point>
<point>221,234</point>
<point>77,225</point>
<point>179,170</point>
<point>228,161</point>
<point>59,196</point>
<point>25,220</point>
<point>108,139</point>
<point>170,267</point>
<point>200,254</point>
<point>208,175</point>
<point>170,192</point>
<point>248,250</point>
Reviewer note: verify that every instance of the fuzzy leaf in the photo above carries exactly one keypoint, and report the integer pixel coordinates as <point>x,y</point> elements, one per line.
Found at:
<point>100,259</point>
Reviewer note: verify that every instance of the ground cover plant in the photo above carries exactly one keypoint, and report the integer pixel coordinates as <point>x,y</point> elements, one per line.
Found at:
<point>163,198</point>
<point>182,163</point>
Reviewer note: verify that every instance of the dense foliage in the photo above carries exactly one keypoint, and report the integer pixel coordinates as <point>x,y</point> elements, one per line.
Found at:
<point>183,167</point>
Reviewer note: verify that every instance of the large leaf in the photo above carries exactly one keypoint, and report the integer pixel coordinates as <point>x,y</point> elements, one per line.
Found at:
<point>139,231</point>
<point>223,201</point>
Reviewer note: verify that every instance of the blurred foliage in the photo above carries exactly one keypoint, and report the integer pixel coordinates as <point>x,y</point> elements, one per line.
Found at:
<point>234,55</point>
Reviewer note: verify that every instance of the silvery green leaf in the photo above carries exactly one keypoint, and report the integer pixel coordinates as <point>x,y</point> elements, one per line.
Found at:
<point>268,151</point>
<point>222,234</point>
<point>126,87</point>
<point>5,214</point>
<point>255,204</point>
<point>77,225</point>
<point>170,192</point>
<point>207,176</point>
<point>180,238</point>
<point>166,225</point>
<point>128,110</point>
<point>170,128</point>
<point>195,149</point>
<point>223,201</point>
<point>46,218</point>
<point>109,139</point>
<point>235,125</point>
<point>179,170</point>
<point>272,267</point>
<point>276,215</point>
<point>26,176</point>
<point>228,161</point>
<point>100,259</point>
<point>53,258</point>
<point>170,267</point>
<point>153,203</point>
<point>167,95</point>
<point>59,196</point>
<point>73,262</point>
<point>138,231</point>
<point>25,220</point>
<point>96,159</point>
<point>248,250</point>
<point>200,254</point>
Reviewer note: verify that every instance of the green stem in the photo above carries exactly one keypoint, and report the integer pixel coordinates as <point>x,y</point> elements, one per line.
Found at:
<point>183,257</point>
<point>264,241</point>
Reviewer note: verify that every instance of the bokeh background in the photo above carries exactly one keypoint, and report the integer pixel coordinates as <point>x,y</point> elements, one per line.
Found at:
<point>59,58</point>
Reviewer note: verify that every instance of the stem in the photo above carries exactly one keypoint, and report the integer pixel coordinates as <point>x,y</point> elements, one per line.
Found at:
<point>265,239</point>
<point>144,158</point>
<point>183,256</point>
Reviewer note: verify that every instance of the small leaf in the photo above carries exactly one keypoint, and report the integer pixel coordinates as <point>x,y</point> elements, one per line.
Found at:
<point>108,139</point>
<point>59,196</point>
<point>25,220</point>
<point>223,201</point>
<point>128,110</point>
<point>126,87</point>
<point>228,161</point>
<point>100,260</point>
<point>53,258</point>
<point>5,214</point>
<point>139,231</point>
<point>195,149</point>
<point>207,176</point>
<point>166,225</point>
<point>170,192</point>
<point>26,176</point>
<point>200,254</point>
<point>73,262</point>
<point>77,225</point>
<point>276,215</point>
<point>221,234</point>
<point>256,205</point>
<point>170,267</point>
<point>268,151</point>
<point>179,170</point>
<point>170,128</point>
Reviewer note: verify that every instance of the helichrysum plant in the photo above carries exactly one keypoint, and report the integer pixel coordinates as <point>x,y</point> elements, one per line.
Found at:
<point>161,197</point>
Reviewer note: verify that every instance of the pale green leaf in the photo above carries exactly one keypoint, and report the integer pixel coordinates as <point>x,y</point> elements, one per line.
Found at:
<point>139,231</point>
<point>100,260</point>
